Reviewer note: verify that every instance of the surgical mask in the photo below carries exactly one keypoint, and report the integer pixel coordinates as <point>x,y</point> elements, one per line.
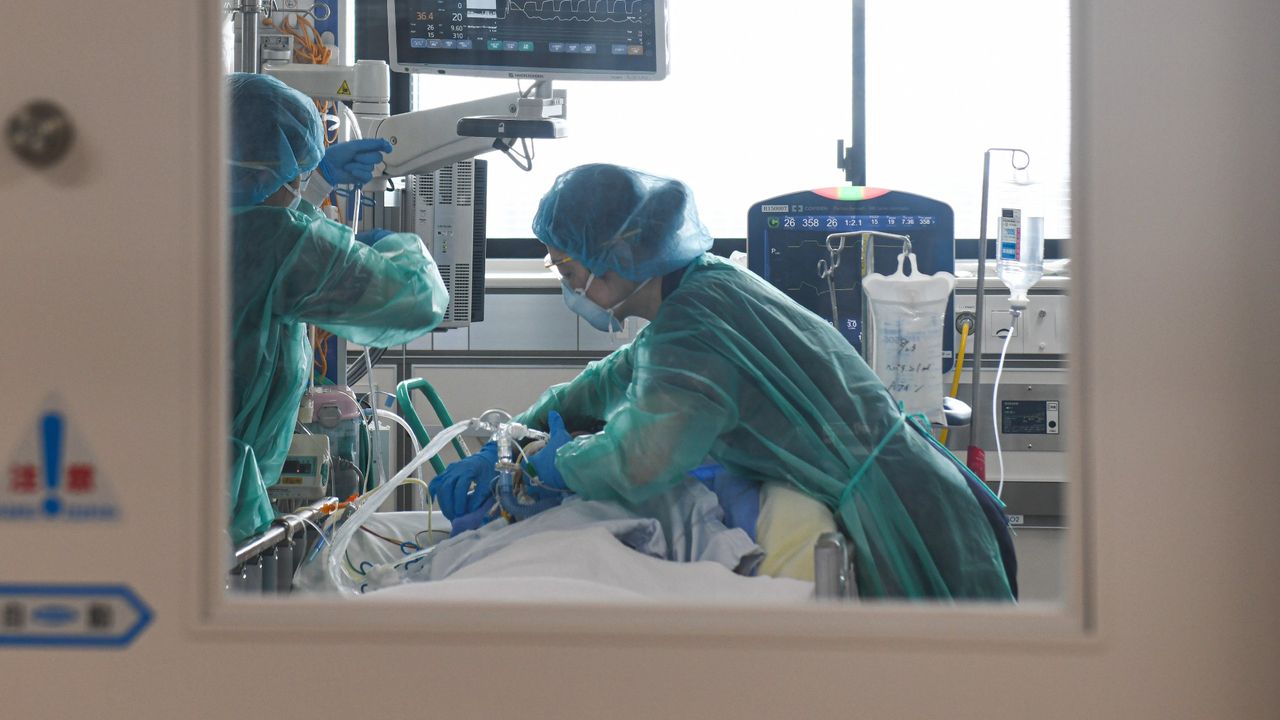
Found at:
<point>297,194</point>
<point>597,317</point>
<point>297,198</point>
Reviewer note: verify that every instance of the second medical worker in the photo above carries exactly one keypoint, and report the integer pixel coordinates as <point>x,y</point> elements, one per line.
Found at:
<point>291,266</point>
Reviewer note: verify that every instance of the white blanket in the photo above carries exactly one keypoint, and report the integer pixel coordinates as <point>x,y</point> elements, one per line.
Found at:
<point>590,565</point>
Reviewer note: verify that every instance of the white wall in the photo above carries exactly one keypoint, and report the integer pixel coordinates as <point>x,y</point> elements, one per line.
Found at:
<point>106,299</point>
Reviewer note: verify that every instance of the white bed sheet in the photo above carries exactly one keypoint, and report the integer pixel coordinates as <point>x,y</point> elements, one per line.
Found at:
<point>590,565</point>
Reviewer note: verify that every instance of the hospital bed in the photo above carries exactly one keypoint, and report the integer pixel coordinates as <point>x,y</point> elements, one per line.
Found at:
<point>270,563</point>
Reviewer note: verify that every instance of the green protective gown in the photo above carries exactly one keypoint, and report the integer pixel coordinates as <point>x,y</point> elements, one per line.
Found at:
<point>295,267</point>
<point>733,369</point>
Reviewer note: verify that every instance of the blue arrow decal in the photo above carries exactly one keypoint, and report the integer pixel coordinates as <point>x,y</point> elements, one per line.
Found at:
<point>71,615</point>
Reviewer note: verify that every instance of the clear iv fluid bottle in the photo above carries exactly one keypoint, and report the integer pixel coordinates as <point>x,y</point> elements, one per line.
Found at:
<point>1020,262</point>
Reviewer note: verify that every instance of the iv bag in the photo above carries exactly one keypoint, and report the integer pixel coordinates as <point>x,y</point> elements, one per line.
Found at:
<point>907,316</point>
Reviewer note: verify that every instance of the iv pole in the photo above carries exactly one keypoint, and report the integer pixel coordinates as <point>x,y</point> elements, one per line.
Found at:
<point>979,323</point>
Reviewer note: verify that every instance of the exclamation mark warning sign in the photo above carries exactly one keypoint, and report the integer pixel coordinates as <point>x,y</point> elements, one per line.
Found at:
<point>51,475</point>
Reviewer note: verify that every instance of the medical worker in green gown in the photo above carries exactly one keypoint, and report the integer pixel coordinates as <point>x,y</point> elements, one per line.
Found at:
<point>732,369</point>
<point>291,266</point>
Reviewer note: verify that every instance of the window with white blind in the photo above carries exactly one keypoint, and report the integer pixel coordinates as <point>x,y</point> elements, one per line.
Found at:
<point>752,108</point>
<point>946,80</point>
<point>757,98</point>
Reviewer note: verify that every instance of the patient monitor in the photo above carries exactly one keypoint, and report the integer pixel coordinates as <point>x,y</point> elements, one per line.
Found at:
<point>531,39</point>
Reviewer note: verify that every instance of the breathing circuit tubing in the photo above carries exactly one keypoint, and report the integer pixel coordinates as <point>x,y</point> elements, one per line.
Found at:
<point>370,504</point>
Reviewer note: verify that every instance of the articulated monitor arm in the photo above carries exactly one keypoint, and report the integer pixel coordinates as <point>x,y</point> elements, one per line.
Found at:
<point>427,140</point>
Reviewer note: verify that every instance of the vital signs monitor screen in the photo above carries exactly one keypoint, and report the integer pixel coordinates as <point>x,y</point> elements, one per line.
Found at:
<point>571,39</point>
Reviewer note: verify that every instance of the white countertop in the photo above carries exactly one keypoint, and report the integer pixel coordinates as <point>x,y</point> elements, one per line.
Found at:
<point>530,274</point>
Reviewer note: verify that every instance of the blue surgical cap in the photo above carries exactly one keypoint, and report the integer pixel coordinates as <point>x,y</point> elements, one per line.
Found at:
<point>276,136</point>
<point>613,218</point>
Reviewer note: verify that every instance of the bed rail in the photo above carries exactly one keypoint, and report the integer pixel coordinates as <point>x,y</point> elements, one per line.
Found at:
<point>265,564</point>
<point>833,568</point>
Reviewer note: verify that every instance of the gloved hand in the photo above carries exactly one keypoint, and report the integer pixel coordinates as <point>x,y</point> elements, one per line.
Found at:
<point>465,485</point>
<point>534,500</point>
<point>475,519</point>
<point>372,236</point>
<point>543,463</point>
<point>351,163</point>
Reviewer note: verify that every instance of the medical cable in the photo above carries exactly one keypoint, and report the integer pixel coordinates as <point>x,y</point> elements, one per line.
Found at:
<point>380,393</point>
<point>376,437</point>
<point>357,570</point>
<point>995,394</point>
<point>355,371</point>
<point>383,538</point>
<point>524,162</point>
<point>311,49</point>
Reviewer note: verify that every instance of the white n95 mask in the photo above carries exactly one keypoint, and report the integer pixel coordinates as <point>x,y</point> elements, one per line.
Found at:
<point>597,317</point>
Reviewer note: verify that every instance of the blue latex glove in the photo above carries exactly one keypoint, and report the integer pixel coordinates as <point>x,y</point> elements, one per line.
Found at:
<point>535,500</point>
<point>372,236</point>
<point>544,461</point>
<point>465,485</point>
<point>473,520</point>
<point>351,163</point>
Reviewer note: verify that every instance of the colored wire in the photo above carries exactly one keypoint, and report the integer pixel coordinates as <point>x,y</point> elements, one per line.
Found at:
<point>393,541</point>
<point>359,571</point>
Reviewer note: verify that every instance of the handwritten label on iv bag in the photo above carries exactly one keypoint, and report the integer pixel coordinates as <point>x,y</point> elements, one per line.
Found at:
<point>908,313</point>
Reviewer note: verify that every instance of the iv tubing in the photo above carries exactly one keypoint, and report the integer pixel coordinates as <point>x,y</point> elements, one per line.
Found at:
<point>388,415</point>
<point>417,447</point>
<point>995,394</point>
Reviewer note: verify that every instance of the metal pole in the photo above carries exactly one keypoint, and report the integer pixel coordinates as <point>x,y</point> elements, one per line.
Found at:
<point>856,168</point>
<point>978,324</point>
<point>249,10</point>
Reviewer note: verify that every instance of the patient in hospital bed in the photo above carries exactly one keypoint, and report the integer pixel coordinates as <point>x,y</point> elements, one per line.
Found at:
<point>703,539</point>
<point>781,524</point>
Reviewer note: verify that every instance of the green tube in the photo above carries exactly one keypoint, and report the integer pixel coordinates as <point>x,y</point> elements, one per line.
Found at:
<point>404,392</point>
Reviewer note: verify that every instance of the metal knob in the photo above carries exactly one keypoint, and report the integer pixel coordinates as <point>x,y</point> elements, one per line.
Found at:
<point>40,133</point>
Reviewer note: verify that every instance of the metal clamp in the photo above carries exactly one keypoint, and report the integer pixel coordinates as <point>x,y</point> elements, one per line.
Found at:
<point>827,268</point>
